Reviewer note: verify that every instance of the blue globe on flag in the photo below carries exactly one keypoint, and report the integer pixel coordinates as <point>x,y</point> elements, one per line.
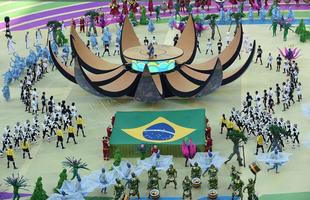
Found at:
<point>159,131</point>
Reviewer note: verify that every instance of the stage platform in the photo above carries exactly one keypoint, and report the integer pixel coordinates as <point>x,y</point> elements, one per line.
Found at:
<point>162,61</point>
<point>167,129</point>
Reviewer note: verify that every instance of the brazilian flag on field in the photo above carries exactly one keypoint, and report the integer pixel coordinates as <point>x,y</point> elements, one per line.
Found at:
<point>169,127</point>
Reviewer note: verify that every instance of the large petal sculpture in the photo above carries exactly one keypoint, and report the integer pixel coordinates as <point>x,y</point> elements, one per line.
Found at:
<point>186,80</point>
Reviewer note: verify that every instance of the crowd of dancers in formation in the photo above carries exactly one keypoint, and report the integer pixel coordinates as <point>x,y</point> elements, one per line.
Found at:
<point>284,93</point>
<point>256,115</point>
<point>57,118</point>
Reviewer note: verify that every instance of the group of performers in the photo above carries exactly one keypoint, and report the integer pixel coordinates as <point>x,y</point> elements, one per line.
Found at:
<point>290,88</point>
<point>58,117</point>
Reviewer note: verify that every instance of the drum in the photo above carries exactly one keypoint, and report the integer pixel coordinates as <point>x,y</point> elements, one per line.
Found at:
<point>254,168</point>
<point>236,193</point>
<point>154,194</point>
<point>132,193</point>
<point>196,182</point>
<point>307,1</point>
<point>212,194</point>
<point>186,193</point>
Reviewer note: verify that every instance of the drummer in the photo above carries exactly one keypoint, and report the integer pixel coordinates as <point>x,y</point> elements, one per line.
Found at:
<point>118,189</point>
<point>134,186</point>
<point>151,174</point>
<point>172,175</point>
<point>187,188</point>
<point>237,186</point>
<point>196,171</point>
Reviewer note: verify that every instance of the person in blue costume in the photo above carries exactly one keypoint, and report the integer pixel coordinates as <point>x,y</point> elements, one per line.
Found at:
<point>93,40</point>
<point>262,14</point>
<point>251,14</point>
<point>222,15</point>
<point>290,14</point>
<point>150,26</point>
<point>228,15</point>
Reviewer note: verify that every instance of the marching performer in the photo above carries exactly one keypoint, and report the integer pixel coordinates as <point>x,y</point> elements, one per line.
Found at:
<point>172,175</point>
<point>25,147</point>
<point>27,40</point>
<point>10,156</point>
<point>106,148</point>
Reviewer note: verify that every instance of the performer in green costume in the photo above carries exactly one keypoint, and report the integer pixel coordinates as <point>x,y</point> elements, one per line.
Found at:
<point>212,172</point>
<point>157,11</point>
<point>274,26</point>
<point>187,188</point>
<point>233,175</point>
<point>62,177</point>
<point>177,9</point>
<point>172,175</point>
<point>117,158</point>
<point>118,190</point>
<point>60,38</point>
<point>196,171</point>
<point>250,187</point>
<point>285,32</point>
<point>152,173</point>
<point>237,188</point>
<point>134,186</point>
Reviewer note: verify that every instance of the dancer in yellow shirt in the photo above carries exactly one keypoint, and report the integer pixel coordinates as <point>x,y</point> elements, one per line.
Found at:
<point>10,156</point>
<point>25,147</point>
<point>80,125</point>
<point>223,123</point>
<point>60,135</point>
<point>71,131</point>
<point>260,142</point>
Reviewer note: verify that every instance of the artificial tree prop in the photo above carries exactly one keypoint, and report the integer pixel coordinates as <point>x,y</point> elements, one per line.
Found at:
<point>277,132</point>
<point>143,18</point>
<point>92,15</point>
<point>132,18</point>
<point>212,23</point>
<point>237,137</point>
<point>17,182</point>
<point>74,165</point>
<point>237,18</point>
<point>302,32</point>
<point>39,193</point>
<point>62,177</point>
<point>54,25</point>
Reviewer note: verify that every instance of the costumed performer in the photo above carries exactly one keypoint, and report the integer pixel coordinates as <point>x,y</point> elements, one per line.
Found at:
<point>171,176</point>
<point>274,159</point>
<point>196,171</point>
<point>106,148</point>
<point>134,186</point>
<point>188,150</point>
<point>114,8</point>
<point>187,188</point>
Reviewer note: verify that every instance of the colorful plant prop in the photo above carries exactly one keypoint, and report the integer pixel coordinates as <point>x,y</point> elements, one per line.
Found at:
<point>17,182</point>
<point>74,165</point>
<point>290,54</point>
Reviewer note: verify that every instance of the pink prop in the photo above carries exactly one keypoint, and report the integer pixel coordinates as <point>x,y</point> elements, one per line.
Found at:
<point>192,149</point>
